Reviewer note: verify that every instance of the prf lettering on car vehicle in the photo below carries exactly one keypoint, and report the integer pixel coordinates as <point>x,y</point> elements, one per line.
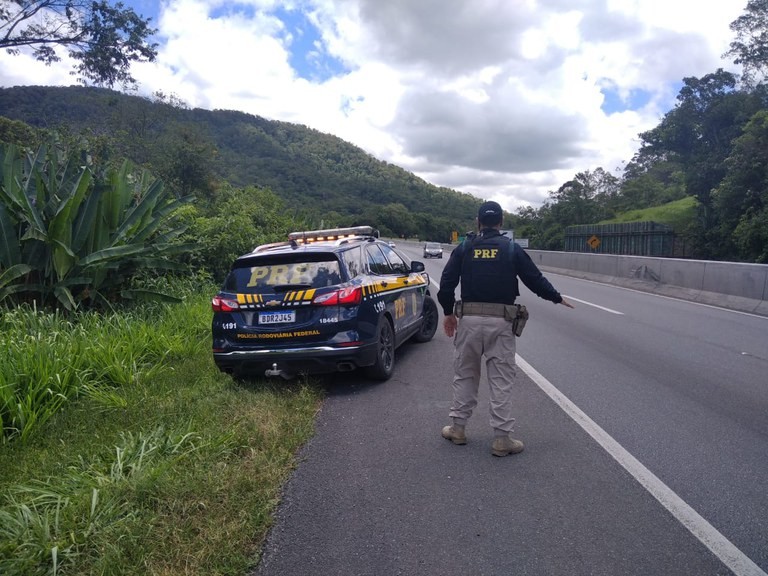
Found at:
<point>323,301</point>
<point>278,275</point>
<point>485,253</point>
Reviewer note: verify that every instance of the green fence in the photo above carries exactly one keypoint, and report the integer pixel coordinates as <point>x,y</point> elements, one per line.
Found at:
<point>627,238</point>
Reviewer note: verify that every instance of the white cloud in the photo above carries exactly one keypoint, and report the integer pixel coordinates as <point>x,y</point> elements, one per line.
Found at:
<point>495,98</point>
<point>24,70</point>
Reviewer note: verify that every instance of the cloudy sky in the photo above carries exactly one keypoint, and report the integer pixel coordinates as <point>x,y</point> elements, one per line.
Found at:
<point>503,99</point>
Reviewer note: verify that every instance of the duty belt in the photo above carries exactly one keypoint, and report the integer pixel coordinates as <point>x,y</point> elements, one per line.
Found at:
<point>481,309</point>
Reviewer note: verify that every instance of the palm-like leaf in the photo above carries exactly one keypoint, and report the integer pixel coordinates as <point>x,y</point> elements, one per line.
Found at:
<point>60,229</point>
<point>78,232</point>
<point>10,252</point>
<point>9,275</point>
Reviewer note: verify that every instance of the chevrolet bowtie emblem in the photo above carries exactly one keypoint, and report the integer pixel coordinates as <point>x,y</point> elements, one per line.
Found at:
<point>273,303</point>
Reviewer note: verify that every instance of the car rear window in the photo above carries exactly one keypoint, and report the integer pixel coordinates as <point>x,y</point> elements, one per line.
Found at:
<point>353,261</point>
<point>268,274</point>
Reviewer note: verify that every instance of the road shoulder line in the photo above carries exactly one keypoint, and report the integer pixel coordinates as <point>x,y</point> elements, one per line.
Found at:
<point>719,545</point>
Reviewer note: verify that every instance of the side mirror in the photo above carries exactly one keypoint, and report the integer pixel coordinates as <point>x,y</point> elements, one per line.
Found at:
<point>417,266</point>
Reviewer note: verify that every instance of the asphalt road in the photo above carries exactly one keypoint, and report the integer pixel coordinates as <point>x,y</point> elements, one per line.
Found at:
<point>645,421</point>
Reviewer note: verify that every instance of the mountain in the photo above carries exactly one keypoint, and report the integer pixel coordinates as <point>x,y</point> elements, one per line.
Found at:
<point>319,174</point>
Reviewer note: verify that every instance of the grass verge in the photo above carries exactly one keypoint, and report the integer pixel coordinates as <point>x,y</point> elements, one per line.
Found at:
<point>177,472</point>
<point>680,214</point>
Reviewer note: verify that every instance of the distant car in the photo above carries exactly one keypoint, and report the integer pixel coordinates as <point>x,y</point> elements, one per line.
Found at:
<point>392,244</point>
<point>323,301</point>
<point>433,250</point>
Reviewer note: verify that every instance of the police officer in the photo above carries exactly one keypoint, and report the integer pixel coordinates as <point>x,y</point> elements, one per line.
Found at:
<point>488,265</point>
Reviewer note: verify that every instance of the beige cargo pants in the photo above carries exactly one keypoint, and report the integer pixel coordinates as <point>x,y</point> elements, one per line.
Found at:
<point>494,339</point>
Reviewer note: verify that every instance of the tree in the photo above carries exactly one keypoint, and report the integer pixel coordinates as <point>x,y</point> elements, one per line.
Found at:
<point>649,180</point>
<point>750,47</point>
<point>104,39</point>
<point>239,220</point>
<point>586,198</point>
<point>15,132</point>
<point>394,219</point>
<point>742,198</point>
<point>184,159</point>
<point>699,133</point>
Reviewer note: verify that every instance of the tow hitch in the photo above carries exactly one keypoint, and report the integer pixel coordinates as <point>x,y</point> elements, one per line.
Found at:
<point>274,371</point>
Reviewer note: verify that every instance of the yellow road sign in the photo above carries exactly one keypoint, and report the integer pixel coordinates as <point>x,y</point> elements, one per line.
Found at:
<point>594,242</point>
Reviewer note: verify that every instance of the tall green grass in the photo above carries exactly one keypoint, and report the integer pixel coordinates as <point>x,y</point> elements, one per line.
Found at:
<point>132,454</point>
<point>52,359</point>
<point>680,214</point>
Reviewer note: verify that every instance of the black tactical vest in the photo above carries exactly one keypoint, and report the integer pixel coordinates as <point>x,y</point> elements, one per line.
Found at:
<point>487,270</point>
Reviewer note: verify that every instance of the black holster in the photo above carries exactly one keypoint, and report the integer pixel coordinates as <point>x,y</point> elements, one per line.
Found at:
<point>518,315</point>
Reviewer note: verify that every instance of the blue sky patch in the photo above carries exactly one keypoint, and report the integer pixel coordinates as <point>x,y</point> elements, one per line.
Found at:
<point>232,8</point>
<point>145,9</point>
<point>307,53</point>
<point>613,103</point>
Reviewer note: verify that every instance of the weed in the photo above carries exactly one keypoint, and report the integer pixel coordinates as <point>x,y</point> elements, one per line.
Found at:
<point>161,465</point>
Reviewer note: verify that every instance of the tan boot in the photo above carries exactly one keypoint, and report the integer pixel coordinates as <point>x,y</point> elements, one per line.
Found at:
<point>504,446</point>
<point>455,434</point>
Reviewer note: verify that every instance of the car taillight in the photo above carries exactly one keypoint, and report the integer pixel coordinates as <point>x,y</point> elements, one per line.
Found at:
<point>223,304</point>
<point>350,296</point>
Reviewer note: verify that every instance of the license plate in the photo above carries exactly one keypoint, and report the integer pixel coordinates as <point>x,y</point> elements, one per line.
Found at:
<point>277,317</point>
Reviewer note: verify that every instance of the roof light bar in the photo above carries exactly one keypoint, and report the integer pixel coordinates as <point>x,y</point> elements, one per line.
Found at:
<point>264,247</point>
<point>331,234</point>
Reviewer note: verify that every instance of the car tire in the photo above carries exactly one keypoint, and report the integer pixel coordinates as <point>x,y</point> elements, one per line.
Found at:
<point>429,321</point>
<point>385,352</point>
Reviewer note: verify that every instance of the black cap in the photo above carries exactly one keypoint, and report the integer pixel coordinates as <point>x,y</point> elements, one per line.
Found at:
<point>490,212</point>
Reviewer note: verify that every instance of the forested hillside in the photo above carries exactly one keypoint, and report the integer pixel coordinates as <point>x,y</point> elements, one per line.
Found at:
<point>326,179</point>
<point>712,147</point>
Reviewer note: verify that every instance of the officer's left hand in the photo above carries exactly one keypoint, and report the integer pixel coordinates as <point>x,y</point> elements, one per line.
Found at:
<point>565,302</point>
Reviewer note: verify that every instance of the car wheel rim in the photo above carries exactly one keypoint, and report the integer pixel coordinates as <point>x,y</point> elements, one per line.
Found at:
<point>387,347</point>
<point>430,320</point>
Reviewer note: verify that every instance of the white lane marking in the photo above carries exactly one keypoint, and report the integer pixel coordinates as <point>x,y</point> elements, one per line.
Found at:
<point>436,285</point>
<point>753,315</point>
<point>595,305</point>
<point>719,545</point>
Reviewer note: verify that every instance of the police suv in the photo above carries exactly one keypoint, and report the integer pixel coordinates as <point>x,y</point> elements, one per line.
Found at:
<point>323,301</point>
